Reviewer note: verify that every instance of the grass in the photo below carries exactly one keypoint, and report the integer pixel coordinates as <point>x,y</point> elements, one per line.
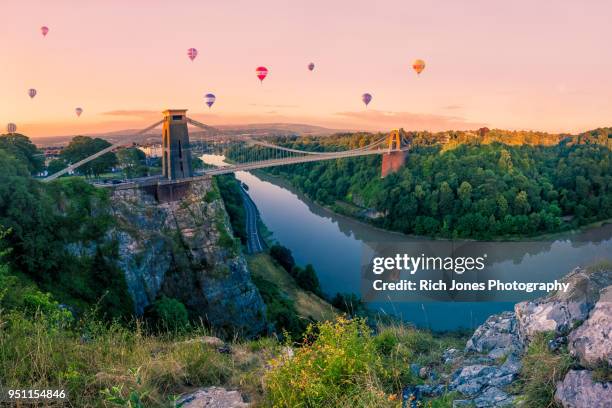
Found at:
<point>343,363</point>
<point>307,304</point>
<point>542,369</point>
<point>109,364</point>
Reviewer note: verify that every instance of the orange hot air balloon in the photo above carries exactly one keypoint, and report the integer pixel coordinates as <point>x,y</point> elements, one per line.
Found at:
<point>418,65</point>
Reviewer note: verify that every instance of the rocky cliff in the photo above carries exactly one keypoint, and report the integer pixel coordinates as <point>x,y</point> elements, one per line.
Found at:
<point>184,249</point>
<point>579,321</point>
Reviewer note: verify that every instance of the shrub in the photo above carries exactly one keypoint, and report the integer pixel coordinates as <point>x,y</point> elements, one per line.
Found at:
<point>167,314</point>
<point>349,303</point>
<point>283,256</point>
<point>336,367</point>
<point>307,279</point>
<point>279,310</point>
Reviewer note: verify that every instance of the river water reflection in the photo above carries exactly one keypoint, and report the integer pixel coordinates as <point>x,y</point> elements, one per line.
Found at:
<point>334,245</point>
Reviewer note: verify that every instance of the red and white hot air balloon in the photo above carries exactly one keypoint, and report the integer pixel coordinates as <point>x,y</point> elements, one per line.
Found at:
<point>311,66</point>
<point>78,111</point>
<point>32,92</point>
<point>44,30</point>
<point>261,72</point>
<point>11,128</point>
<point>192,53</point>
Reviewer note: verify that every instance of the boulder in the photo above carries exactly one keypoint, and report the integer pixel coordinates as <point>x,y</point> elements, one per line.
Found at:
<point>561,311</point>
<point>472,380</point>
<point>212,397</point>
<point>577,390</point>
<point>450,355</point>
<point>493,397</point>
<point>592,341</point>
<point>498,336</point>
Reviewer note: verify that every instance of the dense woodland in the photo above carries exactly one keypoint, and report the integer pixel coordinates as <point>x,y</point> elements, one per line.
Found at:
<point>473,190</point>
<point>43,225</point>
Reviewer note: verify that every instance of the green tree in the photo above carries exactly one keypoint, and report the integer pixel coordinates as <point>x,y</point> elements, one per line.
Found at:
<point>283,256</point>
<point>307,279</point>
<point>521,203</point>
<point>83,146</point>
<point>23,149</point>
<point>132,162</point>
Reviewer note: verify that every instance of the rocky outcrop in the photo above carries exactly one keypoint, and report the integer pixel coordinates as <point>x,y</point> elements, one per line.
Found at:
<point>184,250</point>
<point>580,318</point>
<point>562,311</point>
<point>212,397</point>
<point>497,337</point>
<point>592,341</point>
<point>578,390</point>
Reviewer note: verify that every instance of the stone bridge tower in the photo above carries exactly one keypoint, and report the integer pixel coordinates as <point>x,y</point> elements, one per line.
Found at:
<point>176,152</point>
<point>395,158</point>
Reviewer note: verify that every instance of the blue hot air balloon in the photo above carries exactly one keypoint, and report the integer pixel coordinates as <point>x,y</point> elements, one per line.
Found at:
<point>366,98</point>
<point>210,99</point>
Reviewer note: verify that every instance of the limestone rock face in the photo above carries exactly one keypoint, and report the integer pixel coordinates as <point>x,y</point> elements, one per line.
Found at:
<point>592,341</point>
<point>559,312</point>
<point>184,250</point>
<point>474,379</point>
<point>213,397</point>
<point>498,336</point>
<point>577,390</point>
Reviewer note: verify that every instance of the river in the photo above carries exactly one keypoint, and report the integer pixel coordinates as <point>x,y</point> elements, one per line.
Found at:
<point>334,245</point>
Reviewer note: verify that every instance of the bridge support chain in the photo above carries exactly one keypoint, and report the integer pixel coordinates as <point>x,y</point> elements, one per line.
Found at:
<point>395,159</point>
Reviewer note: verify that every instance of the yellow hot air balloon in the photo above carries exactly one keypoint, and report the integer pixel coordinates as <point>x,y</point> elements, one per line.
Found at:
<point>418,65</point>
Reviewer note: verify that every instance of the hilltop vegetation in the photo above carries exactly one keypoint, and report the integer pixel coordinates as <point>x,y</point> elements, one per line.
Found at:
<point>469,191</point>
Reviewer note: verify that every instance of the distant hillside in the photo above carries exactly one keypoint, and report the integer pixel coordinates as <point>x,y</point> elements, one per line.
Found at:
<point>154,136</point>
<point>451,138</point>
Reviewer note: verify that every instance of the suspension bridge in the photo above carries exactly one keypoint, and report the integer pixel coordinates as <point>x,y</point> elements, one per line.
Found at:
<point>249,153</point>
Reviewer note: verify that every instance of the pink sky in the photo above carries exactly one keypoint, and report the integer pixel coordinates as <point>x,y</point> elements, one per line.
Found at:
<point>543,65</point>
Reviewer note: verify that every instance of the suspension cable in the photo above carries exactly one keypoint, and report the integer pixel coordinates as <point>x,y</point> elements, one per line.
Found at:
<point>94,156</point>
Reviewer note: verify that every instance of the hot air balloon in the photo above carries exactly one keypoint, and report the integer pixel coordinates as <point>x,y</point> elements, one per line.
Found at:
<point>261,72</point>
<point>311,66</point>
<point>11,128</point>
<point>32,92</point>
<point>44,30</point>
<point>78,111</point>
<point>366,98</point>
<point>418,65</point>
<point>210,99</point>
<point>192,53</point>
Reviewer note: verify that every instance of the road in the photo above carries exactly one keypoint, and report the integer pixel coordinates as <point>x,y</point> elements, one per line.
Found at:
<point>254,242</point>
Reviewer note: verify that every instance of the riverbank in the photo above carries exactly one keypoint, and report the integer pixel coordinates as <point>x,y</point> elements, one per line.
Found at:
<point>284,183</point>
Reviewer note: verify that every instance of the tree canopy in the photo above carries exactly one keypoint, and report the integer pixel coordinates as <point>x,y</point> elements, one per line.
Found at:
<point>471,191</point>
<point>84,146</point>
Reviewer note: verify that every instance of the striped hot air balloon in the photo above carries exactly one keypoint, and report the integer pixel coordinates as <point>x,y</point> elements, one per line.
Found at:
<point>44,30</point>
<point>418,65</point>
<point>366,98</point>
<point>32,92</point>
<point>78,111</point>
<point>261,73</point>
<point>192,53</point>
<point>209,99</point>
<point>11,128</point>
